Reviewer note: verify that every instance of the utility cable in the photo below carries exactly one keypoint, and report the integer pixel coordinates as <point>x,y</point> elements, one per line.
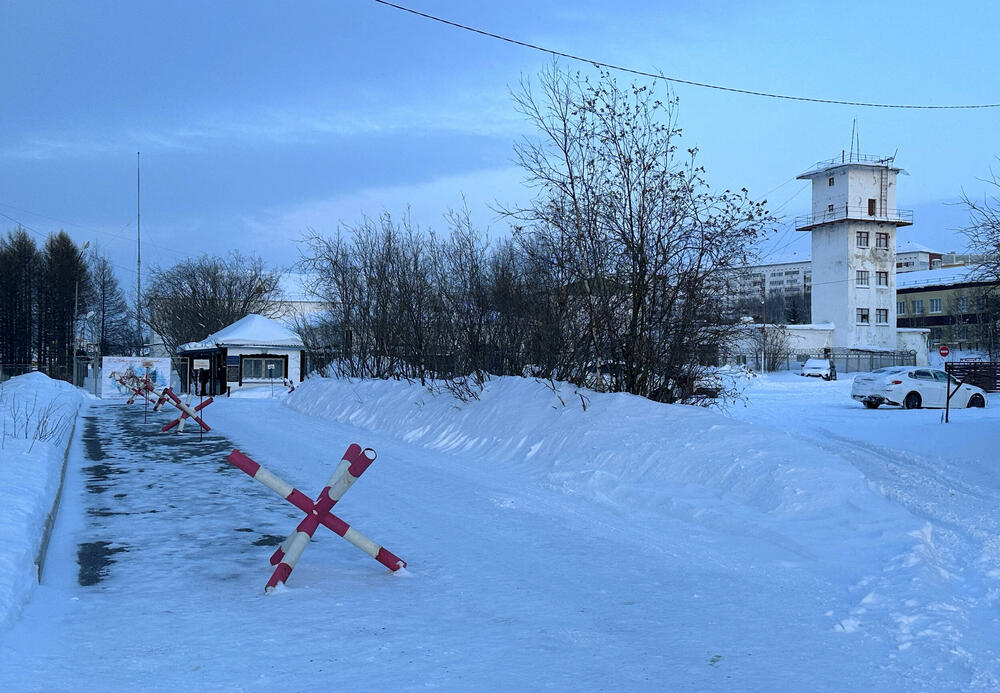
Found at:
<point>678,80</point>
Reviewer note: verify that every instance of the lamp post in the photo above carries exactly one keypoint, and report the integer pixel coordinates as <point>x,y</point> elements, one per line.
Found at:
<point>76,316</point>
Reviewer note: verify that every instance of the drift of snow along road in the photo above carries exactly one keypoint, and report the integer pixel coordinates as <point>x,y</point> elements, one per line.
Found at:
<point>36,419</point>
<point>800,543</point>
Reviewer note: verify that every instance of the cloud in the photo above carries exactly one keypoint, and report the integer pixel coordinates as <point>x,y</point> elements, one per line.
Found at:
<point>427,202</point>
<point>465,112</point>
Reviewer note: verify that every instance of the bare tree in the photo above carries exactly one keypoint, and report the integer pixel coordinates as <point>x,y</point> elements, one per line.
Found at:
<point>644,248</point>
<point>983,230</point>
<point>197,297</point>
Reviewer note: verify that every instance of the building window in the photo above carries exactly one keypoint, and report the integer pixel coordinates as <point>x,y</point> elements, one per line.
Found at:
<point>918,306</point>
<point>861,278</point>
<point>829,181</point>
<point>829,209</point>
<point>963,303</point>
<point>863,316</point>
<point>900,307</point>
<point>871,206</point>
<point>881,240</point>
<point>254,368</point>
<point>881,316</point>
<point>935,305</point>
<point>862,239</point>
<point>882,278</point>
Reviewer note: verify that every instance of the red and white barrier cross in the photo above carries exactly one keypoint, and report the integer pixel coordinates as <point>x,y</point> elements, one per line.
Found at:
<point>352,466</point>
<point>186,411</point>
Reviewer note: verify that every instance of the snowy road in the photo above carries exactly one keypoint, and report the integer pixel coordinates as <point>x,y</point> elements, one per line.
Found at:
<point>516,579</point>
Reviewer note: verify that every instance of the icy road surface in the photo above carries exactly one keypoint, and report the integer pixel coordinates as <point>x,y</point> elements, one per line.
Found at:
<point>801,543</point>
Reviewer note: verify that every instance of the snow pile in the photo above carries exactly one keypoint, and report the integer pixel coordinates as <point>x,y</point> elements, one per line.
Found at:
<point>693,464</point>
<point>37,415</point>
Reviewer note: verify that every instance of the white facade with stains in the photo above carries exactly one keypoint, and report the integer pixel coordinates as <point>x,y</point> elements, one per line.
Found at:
<point>853,225</point>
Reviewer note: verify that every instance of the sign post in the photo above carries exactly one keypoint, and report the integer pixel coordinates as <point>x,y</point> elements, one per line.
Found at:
<point>147,364</point>
<point>270,374</point>
<point>200,365</point>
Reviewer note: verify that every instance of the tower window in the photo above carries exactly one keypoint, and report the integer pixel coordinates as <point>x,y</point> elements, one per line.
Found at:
<point>862,239</point>
<point>861,278</point>
<point>829,209</point>
<point>882,278</point>
<point>881,240</point>
<point>881,316</point>
<point>862,316</point>
<point>871,206</point>
<point>829,181</point>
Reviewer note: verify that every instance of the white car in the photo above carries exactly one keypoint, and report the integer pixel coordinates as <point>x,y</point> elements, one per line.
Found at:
<point>912,387</point>
<point>818,368</point>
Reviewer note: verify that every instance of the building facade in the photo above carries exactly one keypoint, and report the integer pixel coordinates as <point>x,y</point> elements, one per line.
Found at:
<point>853,225</point>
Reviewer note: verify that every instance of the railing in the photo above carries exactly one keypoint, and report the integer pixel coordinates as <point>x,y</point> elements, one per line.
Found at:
<point>899,217</point>
<point>851,158</point>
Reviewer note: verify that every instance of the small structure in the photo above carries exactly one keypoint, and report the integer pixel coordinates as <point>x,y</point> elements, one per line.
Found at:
<point>253,351</point>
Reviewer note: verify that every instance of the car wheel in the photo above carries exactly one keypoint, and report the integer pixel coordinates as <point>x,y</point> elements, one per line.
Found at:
<point>912,401</point>
<point>977,401</point>
<point>872,405</point>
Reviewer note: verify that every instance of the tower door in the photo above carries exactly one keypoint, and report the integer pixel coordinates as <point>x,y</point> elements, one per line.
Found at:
<point>871,206</point>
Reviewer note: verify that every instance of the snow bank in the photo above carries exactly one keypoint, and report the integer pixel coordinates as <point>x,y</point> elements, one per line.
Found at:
<point>692,463</point>
<point>37,415</point>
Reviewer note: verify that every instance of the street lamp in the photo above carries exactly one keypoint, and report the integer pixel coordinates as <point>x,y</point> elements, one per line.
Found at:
<point>76,315</point>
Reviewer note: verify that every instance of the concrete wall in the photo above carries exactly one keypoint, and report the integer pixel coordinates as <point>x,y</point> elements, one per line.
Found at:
<point>913,339</point>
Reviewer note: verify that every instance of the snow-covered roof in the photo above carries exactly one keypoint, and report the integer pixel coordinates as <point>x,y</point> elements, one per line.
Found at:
<point>253,330</point>
<point>947,276</point>
<point>914,247</point>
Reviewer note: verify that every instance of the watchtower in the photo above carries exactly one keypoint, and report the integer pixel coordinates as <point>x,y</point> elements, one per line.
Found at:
<point>853,224</point>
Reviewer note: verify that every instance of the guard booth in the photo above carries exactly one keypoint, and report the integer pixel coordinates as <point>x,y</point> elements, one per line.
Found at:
<point>252,352</point>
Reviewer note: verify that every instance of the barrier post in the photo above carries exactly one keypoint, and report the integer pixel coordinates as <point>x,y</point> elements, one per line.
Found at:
<point>353,464</point>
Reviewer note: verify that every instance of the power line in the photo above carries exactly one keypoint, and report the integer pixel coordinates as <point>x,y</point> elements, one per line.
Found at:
<point>45,236</point>
<point>678,80</point>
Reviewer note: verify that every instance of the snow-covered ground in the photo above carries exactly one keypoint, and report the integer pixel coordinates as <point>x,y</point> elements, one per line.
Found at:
<point>800,542</point>
<point>36,420</point>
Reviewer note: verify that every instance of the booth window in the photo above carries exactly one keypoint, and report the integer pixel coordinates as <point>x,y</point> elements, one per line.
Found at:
<point>258,368</point>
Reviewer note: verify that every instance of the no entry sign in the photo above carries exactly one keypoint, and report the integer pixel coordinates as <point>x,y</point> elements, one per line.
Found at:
<point>944,351</point>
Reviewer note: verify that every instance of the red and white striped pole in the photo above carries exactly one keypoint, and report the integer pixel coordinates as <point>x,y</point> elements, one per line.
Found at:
<point>354,463</point>
<point>187,411</point>
<point>180,426</point>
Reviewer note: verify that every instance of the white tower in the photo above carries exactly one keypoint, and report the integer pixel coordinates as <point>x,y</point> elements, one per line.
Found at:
<point>853,224</point>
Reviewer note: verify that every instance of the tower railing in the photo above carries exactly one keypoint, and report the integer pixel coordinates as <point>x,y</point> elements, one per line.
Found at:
<point>899,217</point>
<point>851,158</point>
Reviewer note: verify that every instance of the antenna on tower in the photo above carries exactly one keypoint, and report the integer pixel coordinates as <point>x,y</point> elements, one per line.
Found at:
<point>138,261</point>
<point>854,127</point>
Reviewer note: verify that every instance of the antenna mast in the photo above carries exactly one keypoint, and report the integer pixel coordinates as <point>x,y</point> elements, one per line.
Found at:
<point>138,261</point>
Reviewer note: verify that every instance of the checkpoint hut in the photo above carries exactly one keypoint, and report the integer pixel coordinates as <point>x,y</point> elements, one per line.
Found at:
<point>253,351</point>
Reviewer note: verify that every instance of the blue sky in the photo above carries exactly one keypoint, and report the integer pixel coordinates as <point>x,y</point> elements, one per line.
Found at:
<point>260,121</point>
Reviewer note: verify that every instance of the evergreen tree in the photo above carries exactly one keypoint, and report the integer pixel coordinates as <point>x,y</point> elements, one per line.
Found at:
<point>63,291</point>
<point>111,325</point>
<point>19,267</point>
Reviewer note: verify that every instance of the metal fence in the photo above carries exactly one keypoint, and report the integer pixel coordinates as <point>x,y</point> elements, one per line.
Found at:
<point>845,360</point>
<point>984,374</point>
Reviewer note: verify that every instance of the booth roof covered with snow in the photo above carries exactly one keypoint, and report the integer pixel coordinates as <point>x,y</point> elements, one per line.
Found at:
<point>252,351</point>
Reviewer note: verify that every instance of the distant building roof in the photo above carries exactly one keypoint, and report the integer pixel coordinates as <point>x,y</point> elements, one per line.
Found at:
<point>948,276</point>
<point>253,330</point>
<point>914,247</point>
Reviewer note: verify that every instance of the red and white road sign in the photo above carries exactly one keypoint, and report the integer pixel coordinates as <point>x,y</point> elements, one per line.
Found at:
<point>944,351</point>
